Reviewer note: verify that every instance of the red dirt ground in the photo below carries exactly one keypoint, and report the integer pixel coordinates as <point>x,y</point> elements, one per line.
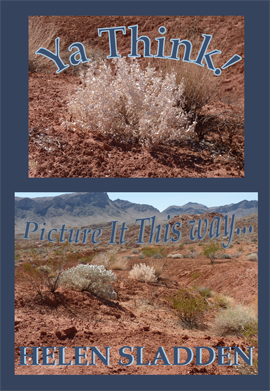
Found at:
<point>55,151</point>
<point>140,316</point>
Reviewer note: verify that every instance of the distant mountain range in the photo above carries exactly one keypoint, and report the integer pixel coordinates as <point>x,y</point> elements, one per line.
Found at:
<point>84,209</point>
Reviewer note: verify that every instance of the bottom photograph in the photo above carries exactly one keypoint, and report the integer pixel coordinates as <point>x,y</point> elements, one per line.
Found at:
<point>136,283</point>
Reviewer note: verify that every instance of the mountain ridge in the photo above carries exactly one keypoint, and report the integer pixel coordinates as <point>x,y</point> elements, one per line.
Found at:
<point>84,208</point>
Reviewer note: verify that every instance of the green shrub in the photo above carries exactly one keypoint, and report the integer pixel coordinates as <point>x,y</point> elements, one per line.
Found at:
<point>151,251</point>
<point>189,307</point>
<point>210,251</point>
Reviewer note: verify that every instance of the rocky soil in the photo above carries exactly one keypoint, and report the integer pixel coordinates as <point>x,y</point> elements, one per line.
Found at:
<point>141,315</point>
<point>55,151</point>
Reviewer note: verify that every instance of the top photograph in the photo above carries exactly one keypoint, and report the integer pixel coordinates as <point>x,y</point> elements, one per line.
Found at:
<point>136,97</point>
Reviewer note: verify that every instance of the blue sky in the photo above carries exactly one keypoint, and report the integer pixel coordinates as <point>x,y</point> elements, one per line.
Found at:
<point>162,200</point>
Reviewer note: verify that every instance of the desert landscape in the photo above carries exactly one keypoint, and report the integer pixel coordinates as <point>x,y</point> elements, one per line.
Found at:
<point>187,293</point>
<point>200,133</point>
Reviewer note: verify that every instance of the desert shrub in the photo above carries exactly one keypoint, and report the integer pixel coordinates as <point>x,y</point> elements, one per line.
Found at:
<point>135,251</point>
<point>254,240</point>
<point>186,256</point>
<point>91,278</point>
<point>151,251</point>
<point>189,306</point>
<point>143,273</point>
<point>48,274</point>
<point>119,264</point>
<point>252,257</point>
<point>129,103</point>
<point>234,320</point>
<point>226,256</point>
<point>105,258</point>
<point>204,291</point>
<point>141,256</point>
<point>237,254</point>
<point>210,251</point>
<point>223,301</point>
<point>181,246</point>
<point>157,256</point>
<point>204,103</point>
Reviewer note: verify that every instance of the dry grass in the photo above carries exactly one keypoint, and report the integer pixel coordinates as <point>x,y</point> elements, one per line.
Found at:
<point>119,264</point>
<point>157,266</point>
<point>105,258</point>
<point>234,321</point>
<point>223,301</point>
<point>204,102</point>
<point>41,34</point>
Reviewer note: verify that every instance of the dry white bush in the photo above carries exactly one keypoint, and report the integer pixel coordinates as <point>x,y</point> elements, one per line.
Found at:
<point>143,273</point>
<point>129,103</point>
<point>252,257</point>
<point>91,278</point>
<point>234,320</point>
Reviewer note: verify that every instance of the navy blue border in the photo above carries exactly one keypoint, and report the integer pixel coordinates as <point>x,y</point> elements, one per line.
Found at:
<point>14,175</point>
